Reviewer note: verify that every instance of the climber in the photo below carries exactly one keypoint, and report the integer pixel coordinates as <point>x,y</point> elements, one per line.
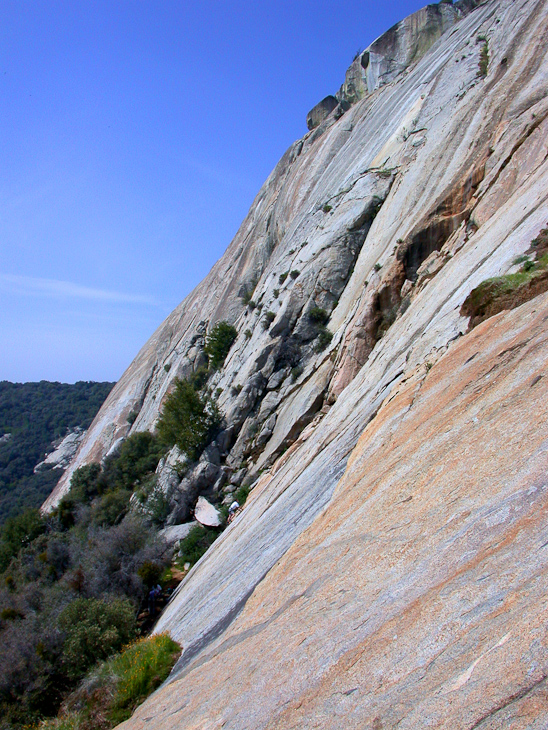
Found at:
<point>154,593</point>
<point>232,511</point>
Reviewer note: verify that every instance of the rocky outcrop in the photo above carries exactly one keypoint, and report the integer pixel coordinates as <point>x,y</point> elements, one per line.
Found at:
<point>345,284</point>
<point>321,111</point>
<point>394,51</point>
<point>64,451</point>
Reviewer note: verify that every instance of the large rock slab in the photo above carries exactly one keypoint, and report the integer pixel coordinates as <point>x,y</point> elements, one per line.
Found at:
<point>417,599</point>
<point>206,513</point>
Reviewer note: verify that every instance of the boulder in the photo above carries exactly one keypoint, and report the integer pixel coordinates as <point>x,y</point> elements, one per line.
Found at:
<point>206,514</point>
<point>174,534</point>
<point>321,111</point>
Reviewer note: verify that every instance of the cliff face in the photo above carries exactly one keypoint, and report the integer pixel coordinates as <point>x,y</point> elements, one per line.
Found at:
<point>408,591</point>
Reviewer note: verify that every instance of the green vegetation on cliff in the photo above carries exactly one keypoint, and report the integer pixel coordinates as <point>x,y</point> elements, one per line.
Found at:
<point>72,583</point>
<point>507,292</point>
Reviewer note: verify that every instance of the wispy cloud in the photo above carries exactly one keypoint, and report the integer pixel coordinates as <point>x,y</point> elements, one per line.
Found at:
<point>53,288</point>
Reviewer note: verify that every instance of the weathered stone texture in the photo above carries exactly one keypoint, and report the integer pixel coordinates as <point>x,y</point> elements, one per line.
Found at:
<point>418,598</point>
<point>409,593</point>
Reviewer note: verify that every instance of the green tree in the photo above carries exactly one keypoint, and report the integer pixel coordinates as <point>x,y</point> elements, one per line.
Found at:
<point>218,343</point>
<point>188,419</point>
<point>17,533</point>
<point>94,629</point>
<point>138,456</point>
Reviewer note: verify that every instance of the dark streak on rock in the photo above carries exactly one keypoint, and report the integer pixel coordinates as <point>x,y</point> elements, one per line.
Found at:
<point>519,695</point>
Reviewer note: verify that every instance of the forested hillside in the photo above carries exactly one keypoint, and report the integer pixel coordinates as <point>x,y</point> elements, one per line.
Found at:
<point>32,416</point>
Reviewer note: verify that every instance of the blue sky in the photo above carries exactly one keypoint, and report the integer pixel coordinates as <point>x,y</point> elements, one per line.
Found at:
<point>133,138</point>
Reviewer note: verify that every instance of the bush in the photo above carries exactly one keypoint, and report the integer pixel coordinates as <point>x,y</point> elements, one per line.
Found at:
<point>318,315</point>
<point>483,65</point>
<point>112,692</point>
<point>111,508</point>
<point>218,343</point>
<point>94,629</point>
<point>197,543</point>
<point>18,532</point>
<point>140,669</point>
<point>188,419</point>
<point>296,372</point>
<point>84,483</point>
<point>323,339</point>
<point>269,317</point>
<point>506,292</point>
<point>327,208</point>
<point>283,277</point>
<point>138,456</point>
<point>241,495</point>
<point>294,274</point>
<point>150,573</point>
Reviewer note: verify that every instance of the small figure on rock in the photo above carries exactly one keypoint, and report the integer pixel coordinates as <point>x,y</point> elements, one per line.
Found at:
<point>153,595</point>
<point>232,511</point>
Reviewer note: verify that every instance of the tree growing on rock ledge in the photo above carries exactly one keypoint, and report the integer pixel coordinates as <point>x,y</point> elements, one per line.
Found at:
<point>188,419</point>
<point>218,343</point>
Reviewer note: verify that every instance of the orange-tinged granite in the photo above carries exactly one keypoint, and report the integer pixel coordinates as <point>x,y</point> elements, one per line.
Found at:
<point>418,597</point>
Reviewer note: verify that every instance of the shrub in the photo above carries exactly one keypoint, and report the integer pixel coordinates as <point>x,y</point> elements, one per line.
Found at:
<point>150,573</point>
<point>294,274</point>
<point>111,507</point>
<point>283,277</point>
<point>241,495</point>
<point>269,317</point>
<point>110,694</point>
<point>323,339</point>
<point>196,543</point>
<point>84,483</point>
<point>167,367</point>
<point>248,291</point>
<point>132,417</point>
<point>140,669</point>
<point>138,456</point>
<point>327,208</point>
<point>483,65</point>
<point>318,315</point>
<point>199,377</point>
<point>247,334</point>
<point>377,267</point>
<point>94,629</point>
<point>18,532</point>
<point>11,614</point>
<point>158,507</point>
<point>188,419</point>
<point>296,372</point>
<point>218,343</point>
<point>276,293</point>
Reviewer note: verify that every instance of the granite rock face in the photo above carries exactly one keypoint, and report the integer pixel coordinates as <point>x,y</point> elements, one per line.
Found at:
<point>395,463</point>
<point>64,451</point>
<point>418,597</point>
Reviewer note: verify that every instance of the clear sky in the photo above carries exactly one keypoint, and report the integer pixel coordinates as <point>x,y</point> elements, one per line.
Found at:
<point>134,135</point>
